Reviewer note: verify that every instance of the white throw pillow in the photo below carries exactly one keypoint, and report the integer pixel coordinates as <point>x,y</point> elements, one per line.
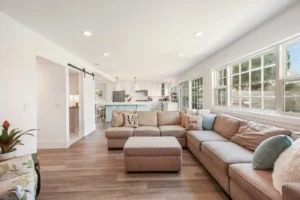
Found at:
<point>287,167</point>
<point>194,122</point>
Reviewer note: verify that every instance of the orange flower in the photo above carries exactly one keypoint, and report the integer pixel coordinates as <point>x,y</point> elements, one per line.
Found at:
<point>6,125</point>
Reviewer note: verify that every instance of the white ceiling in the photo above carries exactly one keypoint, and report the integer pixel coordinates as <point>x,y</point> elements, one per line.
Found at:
<point>143,37</point>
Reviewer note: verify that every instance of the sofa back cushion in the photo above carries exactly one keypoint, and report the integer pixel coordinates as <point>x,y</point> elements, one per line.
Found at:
<point>117,119</point>
<point>168,118</point>
<point>226,126</point>
<point>251,134</point>
<point>147,118</point>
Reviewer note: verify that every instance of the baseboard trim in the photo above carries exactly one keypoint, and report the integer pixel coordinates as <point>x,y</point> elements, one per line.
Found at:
<point>53,144</point>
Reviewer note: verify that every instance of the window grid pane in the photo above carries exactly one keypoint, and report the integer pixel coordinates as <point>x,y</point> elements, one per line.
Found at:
<point>253,85</point>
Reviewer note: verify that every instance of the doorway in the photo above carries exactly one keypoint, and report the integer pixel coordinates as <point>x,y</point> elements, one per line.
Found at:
<point>75,106</point>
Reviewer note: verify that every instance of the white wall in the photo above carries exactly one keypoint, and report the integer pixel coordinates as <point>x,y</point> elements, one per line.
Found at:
<point>52,105</point>
<point>18,74</point>
<point>277,29</point>
<point>88,104</point>
<point>101,86</point>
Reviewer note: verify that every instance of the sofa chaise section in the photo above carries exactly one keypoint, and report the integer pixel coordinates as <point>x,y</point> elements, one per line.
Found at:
<point>117,136</point>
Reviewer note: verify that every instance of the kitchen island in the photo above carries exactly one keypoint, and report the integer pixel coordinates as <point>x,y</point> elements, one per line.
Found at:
<point>129,106</point>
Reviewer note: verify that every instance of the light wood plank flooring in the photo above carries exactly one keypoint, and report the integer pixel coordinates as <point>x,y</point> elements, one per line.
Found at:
<point>88,171</point>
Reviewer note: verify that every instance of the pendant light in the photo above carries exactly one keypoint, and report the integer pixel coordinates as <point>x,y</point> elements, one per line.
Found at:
<point>118,87</point>
<point>135,85</point>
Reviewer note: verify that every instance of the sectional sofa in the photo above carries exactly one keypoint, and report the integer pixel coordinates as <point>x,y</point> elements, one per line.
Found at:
<point>224,151</point>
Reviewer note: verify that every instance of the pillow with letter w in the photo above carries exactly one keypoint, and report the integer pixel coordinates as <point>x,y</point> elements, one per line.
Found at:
<point>131,120</point>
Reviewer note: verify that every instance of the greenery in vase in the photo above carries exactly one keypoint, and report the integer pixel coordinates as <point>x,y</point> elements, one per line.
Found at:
<point>99,92</point>
<point>9,140</point>
<point>127,95</point>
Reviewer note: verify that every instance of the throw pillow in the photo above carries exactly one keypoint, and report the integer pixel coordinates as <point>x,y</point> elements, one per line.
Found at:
<point>269,150</point>
<point>250,134</point>
<point>131,120</point>
<point>287,167</point>
<point>194,122</point>
<point>117,119</point>
<point>183,118</point>
<point>208,122</point>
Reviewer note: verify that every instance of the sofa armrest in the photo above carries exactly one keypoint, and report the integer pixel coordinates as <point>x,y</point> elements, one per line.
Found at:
<point>291,191</point>
<point>12,193</point>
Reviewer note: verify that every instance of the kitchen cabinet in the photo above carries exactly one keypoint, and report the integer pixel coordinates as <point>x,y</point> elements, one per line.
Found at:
<point>74,119</point>
<point>170,106</point>
<point>74,84</point>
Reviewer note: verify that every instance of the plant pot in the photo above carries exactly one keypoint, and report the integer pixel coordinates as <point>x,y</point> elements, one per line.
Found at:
<point>7,156</point>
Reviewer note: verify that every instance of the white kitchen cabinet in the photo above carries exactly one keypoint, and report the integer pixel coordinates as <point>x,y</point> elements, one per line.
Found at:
<point>154,89</point>
<point>155,106</point>
<point>73,84</point>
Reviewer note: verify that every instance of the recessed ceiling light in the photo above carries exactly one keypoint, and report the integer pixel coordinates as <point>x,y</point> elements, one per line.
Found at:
<point>181,54</point>
<point>160,72</point>
<point>96,64</point>
<point>157,77</point>
<point>87,33</point>
<point>105,54</point>
<point>198,34</point>
<point>124,72</point>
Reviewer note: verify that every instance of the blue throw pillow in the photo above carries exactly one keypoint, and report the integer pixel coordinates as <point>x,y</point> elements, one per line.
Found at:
<point>269,150</point>
<point>208,122</point>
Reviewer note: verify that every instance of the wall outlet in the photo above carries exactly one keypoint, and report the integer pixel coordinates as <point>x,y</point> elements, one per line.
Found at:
<point>57,105</point>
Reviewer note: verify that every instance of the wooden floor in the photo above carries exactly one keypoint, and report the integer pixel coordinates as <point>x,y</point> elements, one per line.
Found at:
<point>88,171</point>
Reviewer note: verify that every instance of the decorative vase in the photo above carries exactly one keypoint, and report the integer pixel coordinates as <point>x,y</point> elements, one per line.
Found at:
<point>7,156</point>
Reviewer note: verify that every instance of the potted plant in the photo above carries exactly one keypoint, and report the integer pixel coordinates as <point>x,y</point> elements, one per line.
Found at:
<point>9,140</point>
<point>126,97</point>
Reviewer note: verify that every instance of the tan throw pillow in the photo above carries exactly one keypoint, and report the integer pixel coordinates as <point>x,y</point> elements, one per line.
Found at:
<point>194,122</point>
<point>117,119</point>
<point>131,120</point>
<point>183,119</point>
<point>251,134</point>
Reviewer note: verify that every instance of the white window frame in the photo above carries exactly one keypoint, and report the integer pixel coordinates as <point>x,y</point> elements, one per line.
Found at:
<point>218,87</point>
<point>262,97</point>
<point>184,93</point>
<point>280,79</point>
<point>198,91</point>
<point>287,79</point>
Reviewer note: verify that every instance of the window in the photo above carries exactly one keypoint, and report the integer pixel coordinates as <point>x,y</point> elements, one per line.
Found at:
<point>269,80</point>
<point>291,83</point>
<point>253,82</point>
<point>184,90</point>
<point>197,94</point>
<point>221,89</point>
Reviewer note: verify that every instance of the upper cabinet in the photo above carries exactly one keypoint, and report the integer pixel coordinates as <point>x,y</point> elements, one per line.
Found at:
<point>74,84</point>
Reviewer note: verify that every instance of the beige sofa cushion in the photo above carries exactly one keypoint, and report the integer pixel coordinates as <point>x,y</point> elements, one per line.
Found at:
<point>222,154</point>
<point>251,134</point>
<point>152,146</point>
<point>117,119</point>
<point>147,118</point>
<point>172,130</point>
<point>146,131</point>
<point>226,126</point>
<point>257,184</point>
<point>118,132</point>
<point>168,118</point>
<point>198,137</point>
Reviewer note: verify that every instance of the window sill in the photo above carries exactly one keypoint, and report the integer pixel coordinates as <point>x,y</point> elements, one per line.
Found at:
<point>285,120</point>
